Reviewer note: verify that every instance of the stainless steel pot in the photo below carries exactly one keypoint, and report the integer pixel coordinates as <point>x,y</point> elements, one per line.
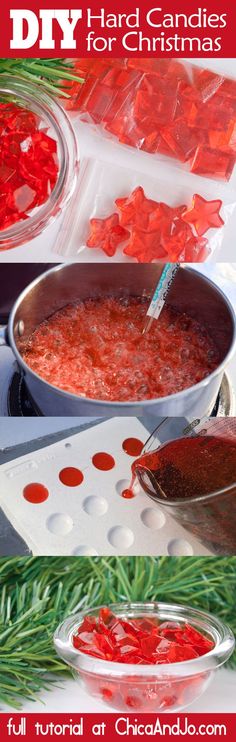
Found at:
<point>190,292</point>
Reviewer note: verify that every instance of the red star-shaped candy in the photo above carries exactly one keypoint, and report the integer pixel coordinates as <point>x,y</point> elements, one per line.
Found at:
<point>136,209</point>
<point>107,234</point>
<point>203,214</point>
<point>145,247</point>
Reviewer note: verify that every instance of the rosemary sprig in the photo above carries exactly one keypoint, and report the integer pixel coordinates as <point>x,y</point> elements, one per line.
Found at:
<point>48,72</point>
<point>37,593</point>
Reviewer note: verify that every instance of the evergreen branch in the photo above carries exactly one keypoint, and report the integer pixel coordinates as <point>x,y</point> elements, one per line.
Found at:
<point>49,73</point>
<point>36,593</point>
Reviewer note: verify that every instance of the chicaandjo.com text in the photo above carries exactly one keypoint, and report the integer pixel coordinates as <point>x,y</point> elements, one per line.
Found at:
<point>112,727</point>
<point>124,726</point>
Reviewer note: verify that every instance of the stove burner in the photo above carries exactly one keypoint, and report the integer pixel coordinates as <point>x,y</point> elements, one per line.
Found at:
<point>21,404</point>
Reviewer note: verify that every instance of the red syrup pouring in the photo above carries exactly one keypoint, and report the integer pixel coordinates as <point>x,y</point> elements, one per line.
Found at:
<point>196,478</point>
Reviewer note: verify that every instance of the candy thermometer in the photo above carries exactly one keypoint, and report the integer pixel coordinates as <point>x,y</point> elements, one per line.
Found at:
<point>159,297</point>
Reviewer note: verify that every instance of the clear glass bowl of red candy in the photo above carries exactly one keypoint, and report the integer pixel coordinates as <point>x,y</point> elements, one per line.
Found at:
<point>147,657</point>
<point>38,160</point>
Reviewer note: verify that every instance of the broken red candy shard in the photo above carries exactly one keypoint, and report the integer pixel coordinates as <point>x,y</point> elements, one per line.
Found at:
<point>23,198</point>
<point>28,163</point>
<point>156,66</point>
<point>154,107</point>
<point>106,616</point>
<point>207,82</point>
<point>223,140</point>
<point>139,640</point>
<point>98,102</point>
<point>211,116</point>
<point>135,209</point>
<point>196,250</point>
<point>161,106</point>
<point>213,163</point>
<point>107,234</point>
<point>228,88</point>
<point>203,214</point>
<point>181,139</point>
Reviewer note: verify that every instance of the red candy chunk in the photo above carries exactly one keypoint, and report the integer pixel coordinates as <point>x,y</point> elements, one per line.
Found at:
<point>207,82</point>
<point>213,162</point>
<point>107,234</point>
<point>203,214</point>
<point>139,641</point>
<point>181,139</point>
<point>162,106</point>
<point>28,164</point>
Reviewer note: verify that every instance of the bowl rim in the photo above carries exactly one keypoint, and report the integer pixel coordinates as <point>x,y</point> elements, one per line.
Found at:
<point>221,633</point>
<point>134,403</point>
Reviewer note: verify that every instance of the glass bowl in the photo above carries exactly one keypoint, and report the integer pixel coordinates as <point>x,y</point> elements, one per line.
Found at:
<point>211,517</point>
<point>146,688</point>
<point>53,117</point>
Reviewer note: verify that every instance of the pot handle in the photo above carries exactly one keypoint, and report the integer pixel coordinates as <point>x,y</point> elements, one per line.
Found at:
<point>3,335</point>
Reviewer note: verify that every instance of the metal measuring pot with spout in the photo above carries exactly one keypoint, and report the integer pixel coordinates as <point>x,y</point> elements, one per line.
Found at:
<point>167,475</point>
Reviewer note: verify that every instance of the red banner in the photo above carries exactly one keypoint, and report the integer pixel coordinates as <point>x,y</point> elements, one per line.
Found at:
<point>48,28</point>
<point>112,727</point>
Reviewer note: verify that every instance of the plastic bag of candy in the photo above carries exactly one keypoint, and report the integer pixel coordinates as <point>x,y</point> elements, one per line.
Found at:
<point>124,215</point>
<point>163,106</point>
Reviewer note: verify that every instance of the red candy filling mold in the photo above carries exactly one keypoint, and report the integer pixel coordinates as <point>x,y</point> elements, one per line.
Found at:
<point>139,641</point>
<point>152,230</point>
<point>162,106</point>
<point>28,164</point>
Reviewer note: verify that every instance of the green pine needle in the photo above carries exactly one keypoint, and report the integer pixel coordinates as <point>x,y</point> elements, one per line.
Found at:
<point>48,73</point>
<point>37,593</point>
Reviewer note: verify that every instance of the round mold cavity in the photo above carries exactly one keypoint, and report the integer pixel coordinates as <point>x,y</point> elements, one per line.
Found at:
<point>103,461</point>
<point>84,550</point>
<point>94,505</point>
<point>121,537</point>
<point>35,493</point>
<point>59,524</point>
<point>70,476</point>
<point>153,518</point>
<point>124,484</point>
<point>180,547</point>
<point>68,445</point>
<point>132,446</point>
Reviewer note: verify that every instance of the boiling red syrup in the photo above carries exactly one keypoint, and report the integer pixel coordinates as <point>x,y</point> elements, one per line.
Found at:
<point>103,461</point>
<point>71,477</point>
<point>35,493</point>
<point>188,467</point>
<point>96,349</point>
<point>132,446</point>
